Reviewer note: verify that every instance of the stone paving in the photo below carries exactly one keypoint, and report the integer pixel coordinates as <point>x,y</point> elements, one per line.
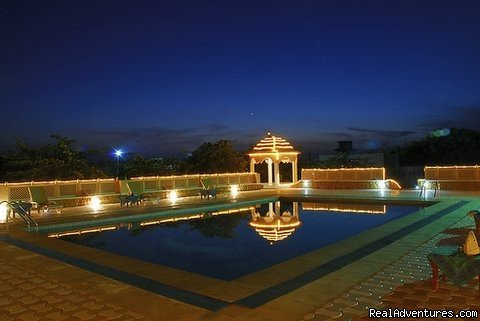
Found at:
<point>26,295</point>
<point>405,284</point>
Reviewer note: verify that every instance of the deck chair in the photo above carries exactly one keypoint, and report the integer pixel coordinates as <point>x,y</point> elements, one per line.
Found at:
<point>136,188</point>
<point>208,189</point>
<point>40,201</point>
<point>476,216</point>
<point>127,197</point>
<point>457,268</point>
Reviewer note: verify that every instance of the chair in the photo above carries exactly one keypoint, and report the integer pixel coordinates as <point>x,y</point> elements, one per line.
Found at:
<point>476,216</point>
<point>208,189</point>
<point>136,188</point>
<point>40,200</point>
<point>457,267</point>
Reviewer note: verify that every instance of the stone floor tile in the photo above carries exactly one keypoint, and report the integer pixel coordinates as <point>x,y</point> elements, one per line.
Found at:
<point>52,299</point>
<point>28,300</point>
<point>405,289</point>
<point>4,287</point>
<point>345,302</point>
<point>127,317</point>
<point>76,298</point>
<point>5,301</point>
<point>110,314</point>
<point>353,311</point>
<point>393,283</point>
<point>41,308</point>
<point>66,307</point>
<point>14,308</point>
<point>416,297</point>
<point>369,301</point>
<point>440,294</point>
<point>49,285</point>
<point>326,313</point>
<point>93,306</point>
<point>392,300</point>
<point>309,316</point>
<point>83,314</point>
<point>61,291</point>
<point>363,292</point>
<point>56,316</point>
<point>27,316</point>
<point>15,281</point>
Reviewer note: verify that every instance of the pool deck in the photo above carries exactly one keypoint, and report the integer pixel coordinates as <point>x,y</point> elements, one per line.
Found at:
<point>49,279</point>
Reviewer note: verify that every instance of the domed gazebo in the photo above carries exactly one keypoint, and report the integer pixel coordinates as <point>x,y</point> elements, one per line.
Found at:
<point>273,150</point>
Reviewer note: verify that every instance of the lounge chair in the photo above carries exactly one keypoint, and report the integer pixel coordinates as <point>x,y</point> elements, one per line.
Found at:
<point>476,216</point>
<point>457,267</point>
<point>136,188</point>
<point>40,201</point>
<point>208,189</point>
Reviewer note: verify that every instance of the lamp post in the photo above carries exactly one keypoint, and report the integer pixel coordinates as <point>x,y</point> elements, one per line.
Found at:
<point>118,154</point>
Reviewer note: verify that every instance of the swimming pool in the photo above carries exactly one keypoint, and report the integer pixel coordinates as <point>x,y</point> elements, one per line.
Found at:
<point>239,241</point>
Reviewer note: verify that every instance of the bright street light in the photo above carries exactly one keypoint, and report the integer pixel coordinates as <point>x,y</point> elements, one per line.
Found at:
<point>118,154</point>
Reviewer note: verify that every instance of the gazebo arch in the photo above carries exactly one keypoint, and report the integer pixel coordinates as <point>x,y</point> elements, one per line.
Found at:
<point>274,150</point>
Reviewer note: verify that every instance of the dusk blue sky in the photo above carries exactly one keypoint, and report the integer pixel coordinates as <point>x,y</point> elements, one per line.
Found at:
<point>162,77</point>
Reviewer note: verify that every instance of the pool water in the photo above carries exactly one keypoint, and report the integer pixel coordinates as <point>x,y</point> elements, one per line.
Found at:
<point>227,246</point>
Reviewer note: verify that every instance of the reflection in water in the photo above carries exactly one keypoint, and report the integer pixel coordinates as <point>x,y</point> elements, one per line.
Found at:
<point>348,208</point>
<point>275,225</point>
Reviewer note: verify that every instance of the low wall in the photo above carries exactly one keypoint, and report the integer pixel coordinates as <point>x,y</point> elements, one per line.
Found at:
<point>344,174</point>
<point>347,178</point>
<point>77,192</point>
<point>461,178</point>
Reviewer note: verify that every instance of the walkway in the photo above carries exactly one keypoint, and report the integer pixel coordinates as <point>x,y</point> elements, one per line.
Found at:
<point>391,271</point>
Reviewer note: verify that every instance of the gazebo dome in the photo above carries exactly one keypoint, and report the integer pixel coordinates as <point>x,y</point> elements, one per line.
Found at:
<point>274,147</point>
<point>273,144</point>
<point>274,150</point>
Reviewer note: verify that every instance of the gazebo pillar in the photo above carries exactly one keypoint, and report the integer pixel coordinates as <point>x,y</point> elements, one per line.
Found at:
<point>294,171</point>
<point>270,174</point>
<point>252,165</point>
<point>276,167</point>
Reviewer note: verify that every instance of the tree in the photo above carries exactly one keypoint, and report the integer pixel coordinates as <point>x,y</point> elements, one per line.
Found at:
<point>219,157</point>
<point>137,165</point>
<point>52,161</point>
<point>460,147</point>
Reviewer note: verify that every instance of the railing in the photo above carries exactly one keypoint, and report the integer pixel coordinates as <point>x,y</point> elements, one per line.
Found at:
<point>344,174</point>
<point>77,192</point>
<point>22,209</point>
<point>347,178</point>
<point>454,177</point>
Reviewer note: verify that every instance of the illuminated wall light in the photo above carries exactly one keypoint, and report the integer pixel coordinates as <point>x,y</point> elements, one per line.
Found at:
<point>173,197</point>
<point>95,203</point>
<point>3,212</point>
<point>382,184</point>
<point>306,183</point>
<point>234,190</point>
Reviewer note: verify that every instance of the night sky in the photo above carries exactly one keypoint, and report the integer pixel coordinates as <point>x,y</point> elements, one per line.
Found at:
<point>162,77</point>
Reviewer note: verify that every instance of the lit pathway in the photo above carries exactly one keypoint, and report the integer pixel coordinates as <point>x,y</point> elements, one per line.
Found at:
<point>404,284</point>
<point>28,295</point>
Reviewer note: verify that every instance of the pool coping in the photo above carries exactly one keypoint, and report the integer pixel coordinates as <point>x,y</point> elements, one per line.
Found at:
<point>260,297</point>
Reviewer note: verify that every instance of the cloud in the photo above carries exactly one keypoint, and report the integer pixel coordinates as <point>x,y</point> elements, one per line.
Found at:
<point>383,133</point>
<point>454,116</point>
<point>158,140</point>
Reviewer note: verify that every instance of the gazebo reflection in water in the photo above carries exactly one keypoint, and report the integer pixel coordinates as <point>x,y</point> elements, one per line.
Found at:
<point>275,225</point>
